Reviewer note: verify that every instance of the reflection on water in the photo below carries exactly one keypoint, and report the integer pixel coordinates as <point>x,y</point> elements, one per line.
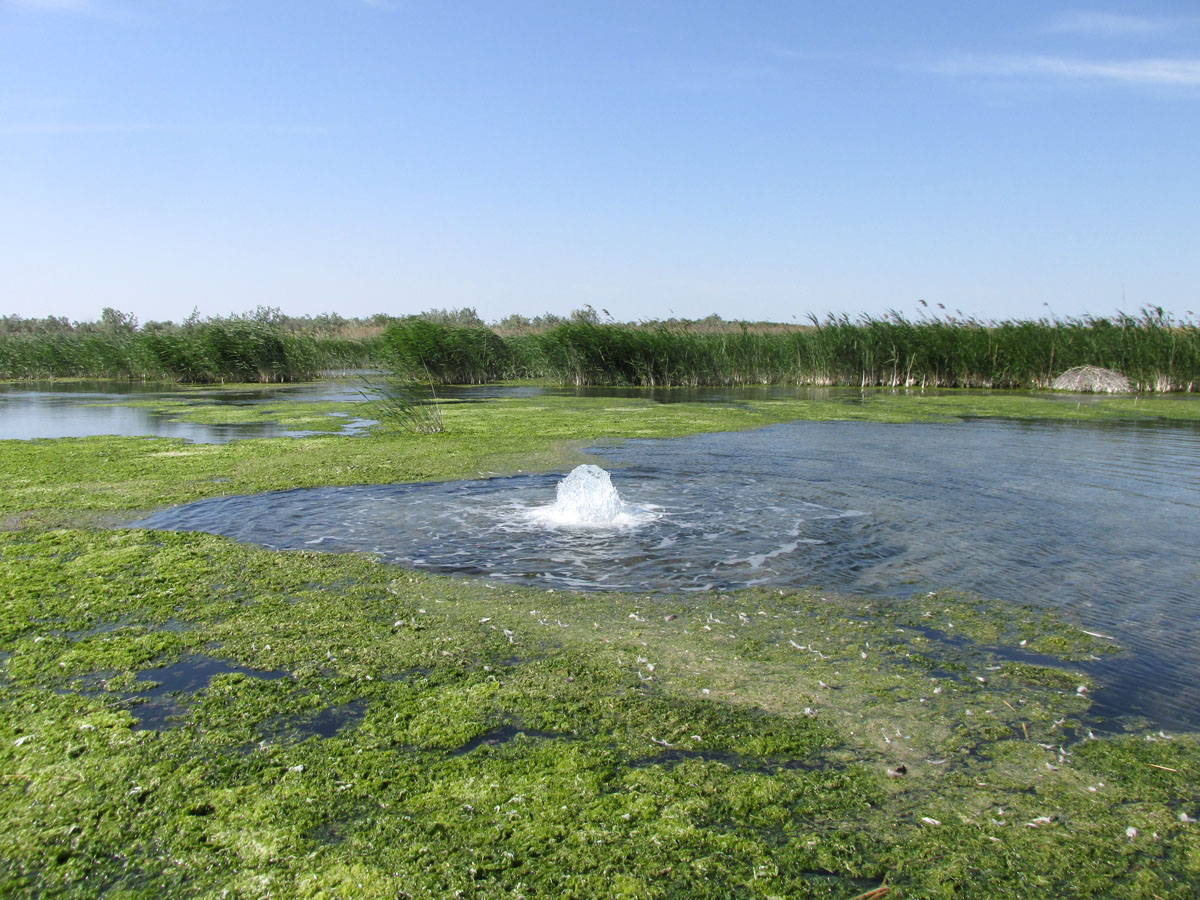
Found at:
<point>1097,520</point>
<point>84,408</point>
<point>81,409</point>
<point>87,408</point>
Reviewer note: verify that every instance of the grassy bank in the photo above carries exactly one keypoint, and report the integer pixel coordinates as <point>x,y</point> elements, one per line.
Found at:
<point>186,716</point>
<point>1155,353</point>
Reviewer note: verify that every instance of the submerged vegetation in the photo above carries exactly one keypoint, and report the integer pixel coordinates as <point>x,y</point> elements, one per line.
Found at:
<point>183,715</point>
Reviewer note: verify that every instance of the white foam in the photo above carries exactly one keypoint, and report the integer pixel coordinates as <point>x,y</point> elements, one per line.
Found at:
<point>586,498</point>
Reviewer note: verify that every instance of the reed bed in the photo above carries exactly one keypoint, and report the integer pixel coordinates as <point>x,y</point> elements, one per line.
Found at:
<point>235,349</point>
<point>1152,351</point>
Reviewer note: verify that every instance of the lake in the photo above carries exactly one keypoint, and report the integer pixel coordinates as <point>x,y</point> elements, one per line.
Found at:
<point>1097,520</point>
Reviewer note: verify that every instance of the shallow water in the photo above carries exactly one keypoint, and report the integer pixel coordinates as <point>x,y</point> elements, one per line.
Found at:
<point>1100,521</point>
<point>86,409</point>
<point>42,410</point>
<point>56,409</point>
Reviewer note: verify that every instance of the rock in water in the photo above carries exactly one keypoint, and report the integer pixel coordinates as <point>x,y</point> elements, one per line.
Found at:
<point>1092,379</point>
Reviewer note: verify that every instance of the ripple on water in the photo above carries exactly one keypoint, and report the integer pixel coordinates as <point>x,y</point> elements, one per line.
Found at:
<point>1097,520</point>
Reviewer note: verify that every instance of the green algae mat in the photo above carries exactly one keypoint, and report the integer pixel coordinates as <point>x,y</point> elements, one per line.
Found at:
<point>181,715</point>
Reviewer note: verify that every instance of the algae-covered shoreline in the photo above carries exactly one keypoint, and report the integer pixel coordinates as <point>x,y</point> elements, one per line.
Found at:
<point>357,729</point>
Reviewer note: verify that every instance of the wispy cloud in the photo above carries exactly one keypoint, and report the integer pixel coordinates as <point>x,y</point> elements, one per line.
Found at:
<point>1109,24</point>
<point>1164,71</point>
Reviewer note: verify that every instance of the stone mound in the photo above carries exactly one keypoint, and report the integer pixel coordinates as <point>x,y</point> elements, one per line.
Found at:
<point>1092,379</point>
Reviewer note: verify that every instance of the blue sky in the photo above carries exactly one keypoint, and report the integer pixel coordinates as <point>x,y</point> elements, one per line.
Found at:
<point>761,160</point>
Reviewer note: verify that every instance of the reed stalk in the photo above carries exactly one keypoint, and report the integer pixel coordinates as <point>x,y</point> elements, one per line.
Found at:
<point>404,403</point>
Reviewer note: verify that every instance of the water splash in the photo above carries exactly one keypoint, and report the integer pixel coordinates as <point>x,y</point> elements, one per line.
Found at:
<point>586,498</point>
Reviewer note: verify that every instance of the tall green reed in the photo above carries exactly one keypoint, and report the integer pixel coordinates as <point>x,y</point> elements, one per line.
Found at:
<point>1154,352</point>
<point>403,403</point>
<point>234,349</point>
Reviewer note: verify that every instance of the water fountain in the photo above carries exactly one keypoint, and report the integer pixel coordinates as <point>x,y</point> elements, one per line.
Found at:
<point>586,498</point>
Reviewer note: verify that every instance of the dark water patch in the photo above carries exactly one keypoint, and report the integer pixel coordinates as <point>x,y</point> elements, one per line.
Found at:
<point>334,719</point>
<point>1162,690</point>
<point>156,706</point>
<point>502,735</point>
<point>194,672</point>
<point>1000,652</point>
<point>324,723</point>
<point>102,628</point>
<point>1120,703</point>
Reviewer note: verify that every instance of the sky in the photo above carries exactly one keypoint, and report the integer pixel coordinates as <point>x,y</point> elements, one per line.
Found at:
<point>761,159</point>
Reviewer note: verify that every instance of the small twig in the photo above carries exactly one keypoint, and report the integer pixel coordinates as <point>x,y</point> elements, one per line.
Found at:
<point>882,891</point>
<point>1164,768</point>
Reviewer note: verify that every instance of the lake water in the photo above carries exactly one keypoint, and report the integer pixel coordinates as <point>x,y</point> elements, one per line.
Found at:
<point>1101,521</point>
<point>85,409</point>
<point>74,409</point>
